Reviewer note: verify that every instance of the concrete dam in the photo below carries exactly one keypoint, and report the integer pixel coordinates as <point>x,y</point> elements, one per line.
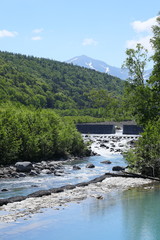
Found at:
<point>107,128</point>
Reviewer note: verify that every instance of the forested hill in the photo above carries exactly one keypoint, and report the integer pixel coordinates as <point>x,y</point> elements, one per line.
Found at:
<point>51,84</point>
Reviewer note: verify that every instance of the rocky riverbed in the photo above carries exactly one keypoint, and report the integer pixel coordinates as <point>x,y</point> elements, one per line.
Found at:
<point>26,208</point>
<point>101,145</point>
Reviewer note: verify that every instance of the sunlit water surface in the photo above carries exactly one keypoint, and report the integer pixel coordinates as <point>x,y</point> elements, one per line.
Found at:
<point>132,215</point>
<point>27,185</point>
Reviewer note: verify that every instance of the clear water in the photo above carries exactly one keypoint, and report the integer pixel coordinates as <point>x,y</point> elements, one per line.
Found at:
<point>24,186</point>
<point>132,215</point>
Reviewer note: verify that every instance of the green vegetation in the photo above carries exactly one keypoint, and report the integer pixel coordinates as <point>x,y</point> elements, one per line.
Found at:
<point>30,134</point>
<point>40,102</point>
<point>51,84</point>
<point>144,100</point>
<point>145,158</point>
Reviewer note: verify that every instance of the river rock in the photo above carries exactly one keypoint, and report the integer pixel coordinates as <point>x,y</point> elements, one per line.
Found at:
<point>75,167</point>
<point>90,165</point>
<point>106,162</point>
<point>58,173</point>
<point>102,145</point>
<point>118,168</point>
<point>4,190</point>
<point>22,175</point>
<point>33,173</point>
<point>23,166</point>
<point>46,171</point>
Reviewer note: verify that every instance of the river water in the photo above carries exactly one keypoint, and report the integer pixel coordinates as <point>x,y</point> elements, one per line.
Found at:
<point>132,215</point>
<point>27,185</point>
<point>129,215</point>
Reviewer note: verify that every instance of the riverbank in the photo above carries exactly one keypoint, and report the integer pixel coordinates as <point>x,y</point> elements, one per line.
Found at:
<point>101,145</point>
<point>26,208</point>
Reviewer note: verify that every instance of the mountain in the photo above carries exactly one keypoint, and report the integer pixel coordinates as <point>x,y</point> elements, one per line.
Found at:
<point>51,84</point>
<point>100,66</point>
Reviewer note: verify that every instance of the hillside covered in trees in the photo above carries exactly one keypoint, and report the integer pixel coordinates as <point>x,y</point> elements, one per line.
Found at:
<point>32,92</point>
<point>51,84</point>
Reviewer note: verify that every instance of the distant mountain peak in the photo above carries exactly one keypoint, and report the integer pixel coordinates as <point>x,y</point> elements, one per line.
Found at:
<point>98,65</point>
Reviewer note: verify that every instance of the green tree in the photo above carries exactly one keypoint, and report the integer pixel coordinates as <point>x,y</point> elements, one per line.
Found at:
<point>155,76</point>
<point>135,63</point>
<point>146,156</point>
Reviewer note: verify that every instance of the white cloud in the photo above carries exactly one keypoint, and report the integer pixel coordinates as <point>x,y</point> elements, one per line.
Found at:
<point>36,38</point>
<point>144,41</point>
<point>143,30</point>
<point>6,33</point>
<point>38,30</point>
<point>89,41</point>
<point>145,26</point>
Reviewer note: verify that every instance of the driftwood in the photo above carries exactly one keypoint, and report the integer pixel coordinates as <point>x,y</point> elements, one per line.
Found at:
<point>42,193</point>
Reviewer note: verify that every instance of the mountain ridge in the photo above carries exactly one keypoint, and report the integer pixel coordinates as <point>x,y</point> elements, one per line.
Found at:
<point>101,66</point>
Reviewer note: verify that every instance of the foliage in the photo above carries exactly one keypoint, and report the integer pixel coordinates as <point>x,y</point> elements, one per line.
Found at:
<point>146,156</point>
<point>51,84</point>
<point>30,134</point>
<point>141,103</point>
<point>144,100</point>
<point>155,77</point>
<point>135,63</point>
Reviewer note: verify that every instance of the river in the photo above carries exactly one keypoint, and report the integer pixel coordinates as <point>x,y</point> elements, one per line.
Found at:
<point>131,215</point>
<point>128,215</point>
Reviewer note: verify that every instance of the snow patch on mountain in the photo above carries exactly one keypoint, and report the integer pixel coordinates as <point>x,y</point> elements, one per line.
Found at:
<point>90,65</point>
<point>84,61</point>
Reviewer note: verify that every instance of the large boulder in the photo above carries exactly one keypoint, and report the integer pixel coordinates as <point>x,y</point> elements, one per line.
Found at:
<point>23,166</point>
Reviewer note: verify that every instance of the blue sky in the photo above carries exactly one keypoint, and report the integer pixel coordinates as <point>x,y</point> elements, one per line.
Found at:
<point>63,29</point>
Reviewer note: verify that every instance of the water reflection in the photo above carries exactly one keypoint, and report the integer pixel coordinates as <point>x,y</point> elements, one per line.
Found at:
<point>131,215</point>
<point>141,213</point>
<point>98,207</point>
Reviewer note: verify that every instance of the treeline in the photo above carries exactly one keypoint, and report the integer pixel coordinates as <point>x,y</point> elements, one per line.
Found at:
<point>28,134</point>
<point>51,84</point>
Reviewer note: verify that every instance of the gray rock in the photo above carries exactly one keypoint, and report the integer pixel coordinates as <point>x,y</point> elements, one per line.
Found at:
<point>52,169</point>
<point>46,171</point>
<point>90,165</point>
<point>33,173</point>
<point>12,168</point>
<point>6,171</point>
<point>106,162</point>
<point>4,190</point>
<point>23,166</point>
<point>52,163</point>
<point>75,167</point>
<point>58,173</point>
<point>14,174</point>
<point>118,168</point>
<point>22,175</point>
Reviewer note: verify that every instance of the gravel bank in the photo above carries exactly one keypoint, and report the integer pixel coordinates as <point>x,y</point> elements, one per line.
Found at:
<point>26,208</point>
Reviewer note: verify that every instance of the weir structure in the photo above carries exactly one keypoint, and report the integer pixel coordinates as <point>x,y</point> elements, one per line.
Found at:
<point>129,128</point>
